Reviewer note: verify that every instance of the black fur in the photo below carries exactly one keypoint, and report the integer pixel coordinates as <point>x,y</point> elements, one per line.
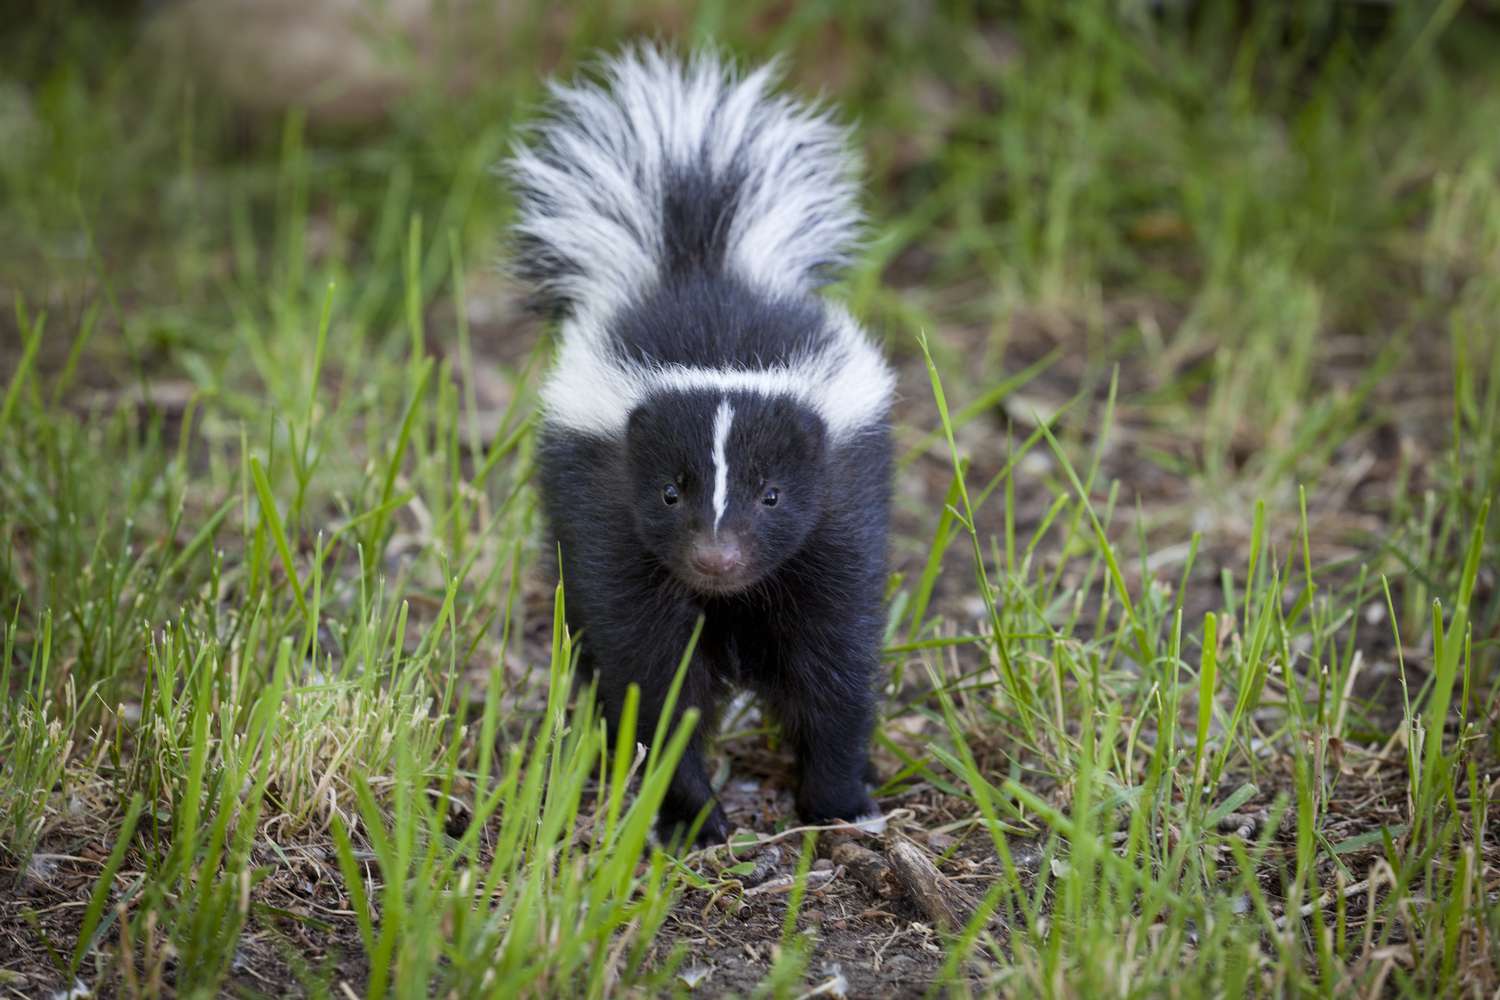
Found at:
<point>799,622</point>
<point>805,635</point>
<point>712,319</point>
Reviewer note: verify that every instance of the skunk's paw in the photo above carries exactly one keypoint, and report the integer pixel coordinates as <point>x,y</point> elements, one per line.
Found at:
<point>848,805</point>
<point>715,828</point>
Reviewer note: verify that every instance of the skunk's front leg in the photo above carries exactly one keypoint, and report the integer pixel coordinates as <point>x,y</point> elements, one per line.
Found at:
<point>650,662</point>
<point>826,705</point>
<point>690,789</point>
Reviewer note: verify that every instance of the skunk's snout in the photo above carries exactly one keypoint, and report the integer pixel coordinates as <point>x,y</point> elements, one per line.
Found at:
<point>718,558</point>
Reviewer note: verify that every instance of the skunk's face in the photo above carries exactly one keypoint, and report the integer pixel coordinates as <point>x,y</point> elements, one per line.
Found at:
<point>724,487</point>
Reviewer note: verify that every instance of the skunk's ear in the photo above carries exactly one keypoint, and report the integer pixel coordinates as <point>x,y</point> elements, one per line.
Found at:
<point>807,437</point>
<point>652,430</point>
<point>640,429</point>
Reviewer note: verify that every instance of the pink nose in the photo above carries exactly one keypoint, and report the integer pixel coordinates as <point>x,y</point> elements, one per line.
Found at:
<point>720,558</point>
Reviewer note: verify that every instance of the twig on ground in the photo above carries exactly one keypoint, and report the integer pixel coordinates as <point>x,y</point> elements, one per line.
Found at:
<point>935,894</point>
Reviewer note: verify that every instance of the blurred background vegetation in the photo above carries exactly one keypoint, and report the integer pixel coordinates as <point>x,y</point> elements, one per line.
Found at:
<point>266,399</point>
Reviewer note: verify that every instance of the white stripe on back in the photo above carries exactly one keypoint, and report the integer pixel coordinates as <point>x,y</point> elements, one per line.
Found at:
<point>845,381</point>
<point>722,419</point>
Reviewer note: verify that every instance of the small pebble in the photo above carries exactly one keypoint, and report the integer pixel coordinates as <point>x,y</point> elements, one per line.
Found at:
<point>693,976</point>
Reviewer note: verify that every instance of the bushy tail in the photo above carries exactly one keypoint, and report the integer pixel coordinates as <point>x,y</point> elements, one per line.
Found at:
<point>668,165</point>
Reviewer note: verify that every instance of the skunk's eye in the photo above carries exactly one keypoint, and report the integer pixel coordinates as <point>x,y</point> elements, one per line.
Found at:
<point>669,494</point>
<point>772,494</point>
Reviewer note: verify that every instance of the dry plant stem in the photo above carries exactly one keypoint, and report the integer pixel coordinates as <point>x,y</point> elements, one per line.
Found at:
<point>1349,891</point>
<point>868,868</point>
<point>785,883</point>
<point>934,893</point>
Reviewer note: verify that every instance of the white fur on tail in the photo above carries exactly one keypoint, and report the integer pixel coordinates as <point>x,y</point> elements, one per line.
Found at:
<point>591,189</point>
<point>591,185</point>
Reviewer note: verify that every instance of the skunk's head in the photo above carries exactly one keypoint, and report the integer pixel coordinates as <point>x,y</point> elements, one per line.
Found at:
<point>725,487</point>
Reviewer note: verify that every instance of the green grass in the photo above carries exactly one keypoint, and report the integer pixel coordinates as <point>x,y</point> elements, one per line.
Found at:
<point>1194,621</point>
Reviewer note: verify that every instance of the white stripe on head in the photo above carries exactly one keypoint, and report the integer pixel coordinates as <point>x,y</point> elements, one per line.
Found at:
<point>722,419</point>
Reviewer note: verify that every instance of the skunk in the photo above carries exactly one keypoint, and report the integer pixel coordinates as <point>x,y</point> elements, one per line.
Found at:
<point>714,437</point>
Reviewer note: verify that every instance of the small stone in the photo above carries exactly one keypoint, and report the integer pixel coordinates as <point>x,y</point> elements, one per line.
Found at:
<point>78,991</point>
<point>40,870</point>
<point>694,976</point>
<point>836,986</point>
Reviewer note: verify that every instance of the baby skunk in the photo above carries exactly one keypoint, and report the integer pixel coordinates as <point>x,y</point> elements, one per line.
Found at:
<point>714,437</point>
